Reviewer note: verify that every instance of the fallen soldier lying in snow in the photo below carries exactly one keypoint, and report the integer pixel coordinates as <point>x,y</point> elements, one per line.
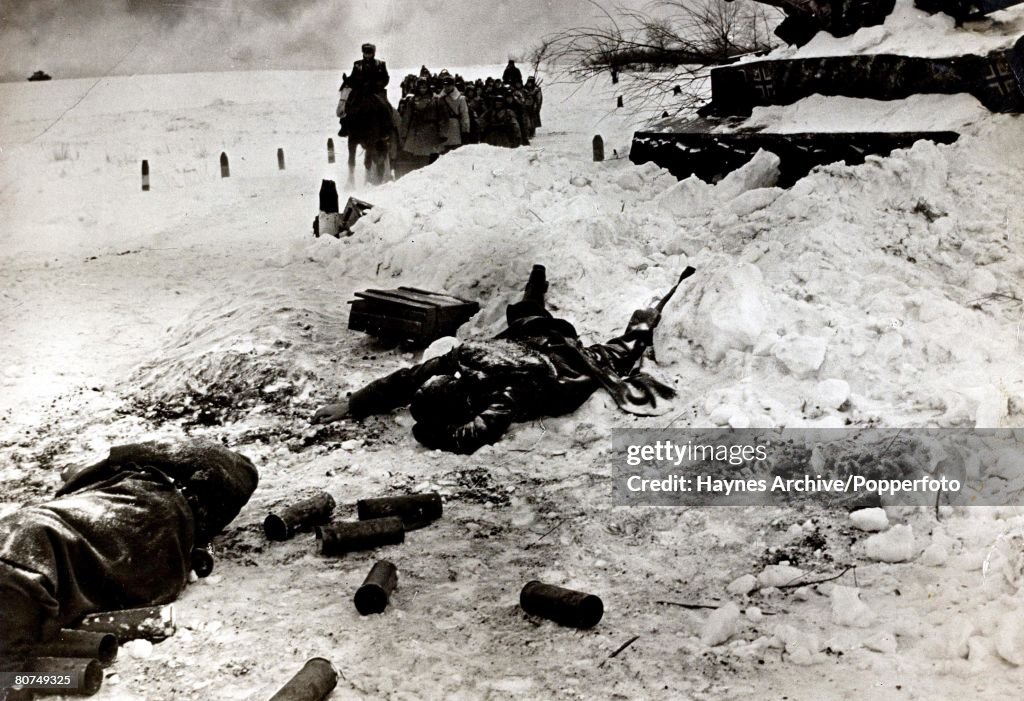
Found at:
<point>119,534</point>
<point>470,396</point>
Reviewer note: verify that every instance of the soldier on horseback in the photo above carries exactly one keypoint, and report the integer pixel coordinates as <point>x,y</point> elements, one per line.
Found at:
<point>370,75</point>
<point>367,118</point>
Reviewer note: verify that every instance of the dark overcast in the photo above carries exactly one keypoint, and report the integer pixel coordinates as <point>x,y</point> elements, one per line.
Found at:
<point>118,37</point>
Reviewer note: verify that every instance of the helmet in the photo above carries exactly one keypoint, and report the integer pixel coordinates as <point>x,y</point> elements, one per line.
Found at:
<point>369,49</point>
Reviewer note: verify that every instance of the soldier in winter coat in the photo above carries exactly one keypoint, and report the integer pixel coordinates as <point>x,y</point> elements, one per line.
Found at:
<point>522,104</point>
<point>421,124</point>
<point>476,106</point>
<point>119,534</point>
<point>454,115</point>
<point>512,75</point>
<point>537,367</point>
<point>533,89</point>
<point>501,127</point>
<point>367,84</point>
<point>370,75</point>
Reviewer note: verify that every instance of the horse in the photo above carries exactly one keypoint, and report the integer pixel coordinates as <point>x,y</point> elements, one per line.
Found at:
<point>370,123</point>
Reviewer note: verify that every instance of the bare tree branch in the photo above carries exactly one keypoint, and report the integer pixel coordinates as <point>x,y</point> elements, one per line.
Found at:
<point>667,47</point>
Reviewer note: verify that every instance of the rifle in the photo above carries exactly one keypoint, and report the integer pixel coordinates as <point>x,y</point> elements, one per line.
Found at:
<point>687,272</point>
<point>690,270</point>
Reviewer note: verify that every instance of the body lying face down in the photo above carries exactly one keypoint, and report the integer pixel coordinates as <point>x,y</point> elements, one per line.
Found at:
<point>119,534</point>
<point>537,367</point>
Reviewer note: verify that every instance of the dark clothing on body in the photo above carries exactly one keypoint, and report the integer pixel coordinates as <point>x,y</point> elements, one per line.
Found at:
<point>119,534</point>
<point>501,128</point>
<point>512,75</point>
<point>470,396</point>
<point>421,125</point>
<point>369,76</point>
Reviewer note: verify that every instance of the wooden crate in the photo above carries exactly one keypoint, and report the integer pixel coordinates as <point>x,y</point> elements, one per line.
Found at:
<point>354,209</point>
<point>409,314</point>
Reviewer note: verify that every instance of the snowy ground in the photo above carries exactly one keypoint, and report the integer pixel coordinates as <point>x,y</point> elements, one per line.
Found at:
<point>908,31</point>
<point>205,307</point>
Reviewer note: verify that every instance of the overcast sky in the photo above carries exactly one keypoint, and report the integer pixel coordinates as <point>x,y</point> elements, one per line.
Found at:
<point>78,38</point>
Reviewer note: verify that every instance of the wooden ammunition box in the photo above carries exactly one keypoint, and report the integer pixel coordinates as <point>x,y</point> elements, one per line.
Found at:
<point>354,209</point>
<point>409,314</point>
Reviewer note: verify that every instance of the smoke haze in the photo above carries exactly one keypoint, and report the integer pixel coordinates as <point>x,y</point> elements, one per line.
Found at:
<point>119,37</point>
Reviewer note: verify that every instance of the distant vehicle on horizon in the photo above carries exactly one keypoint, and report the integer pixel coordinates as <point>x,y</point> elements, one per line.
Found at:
<point>39,75</point>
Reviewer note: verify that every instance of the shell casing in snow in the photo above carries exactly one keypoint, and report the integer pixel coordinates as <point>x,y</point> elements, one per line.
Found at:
<point>566,607</point>
<point>348,536</point>
<point>300,517</point>
<point>375,592</point>
<point>313,682</point>
<point>415,510</point>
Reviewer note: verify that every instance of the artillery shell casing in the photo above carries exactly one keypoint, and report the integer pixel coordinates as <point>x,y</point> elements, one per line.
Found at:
<point>202,562</point>
<point>566,607</point>
<point>300,517</point>
<point>415,510</point>
<point>373,595</point>
<point>86,674</point>
<point>342,537</point>
<point>80,643</point>
<point>313,682</point>
<point>153,623</point>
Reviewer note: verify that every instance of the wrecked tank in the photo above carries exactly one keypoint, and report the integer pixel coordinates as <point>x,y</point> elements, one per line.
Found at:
<point>894,50</point>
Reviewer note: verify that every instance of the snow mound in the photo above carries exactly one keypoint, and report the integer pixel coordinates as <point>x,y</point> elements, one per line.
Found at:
<point>912,32</point>
<point>894,545</point>
<point>229,359</point>
<point>858,274</point>
<point>818,113</point>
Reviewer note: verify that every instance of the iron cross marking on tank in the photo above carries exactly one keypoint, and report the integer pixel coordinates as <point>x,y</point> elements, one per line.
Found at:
<point>762,81</point>
<point>1000,77</point>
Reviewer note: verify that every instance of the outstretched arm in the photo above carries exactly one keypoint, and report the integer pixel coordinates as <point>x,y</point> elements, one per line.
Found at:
<point>387,393</point>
